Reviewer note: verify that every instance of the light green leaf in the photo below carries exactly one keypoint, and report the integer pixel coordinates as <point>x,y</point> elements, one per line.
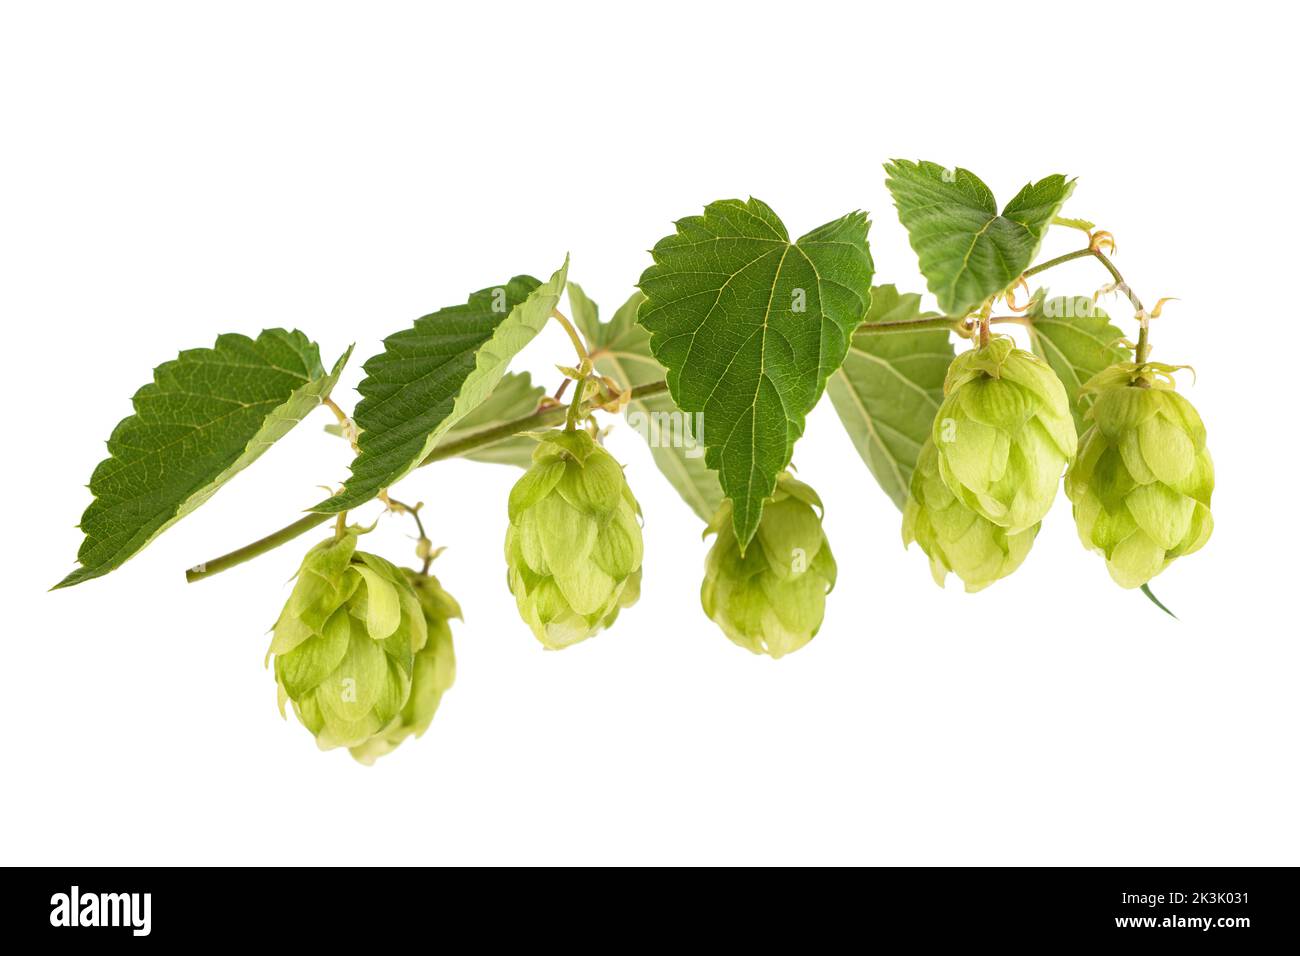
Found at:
<point>621,350</point>
<point>968,252</point>
<point>432,375</point>
<point>585,314</point>
<point>1076,338</point>
<point>514,397</point>
<point>207,415</point>
<point>888,389</point>
<point>749,326</point>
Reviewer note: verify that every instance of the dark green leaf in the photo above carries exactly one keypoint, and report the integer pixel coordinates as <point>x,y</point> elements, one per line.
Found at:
<point>749,326</point>
<point>432,375</point>
<point>207,415</point>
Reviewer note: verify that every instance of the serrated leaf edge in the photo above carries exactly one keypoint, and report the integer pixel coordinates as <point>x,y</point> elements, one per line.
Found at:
<point>253,450</point>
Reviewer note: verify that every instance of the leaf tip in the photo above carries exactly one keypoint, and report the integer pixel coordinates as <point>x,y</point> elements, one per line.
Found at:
<point>75,576</point>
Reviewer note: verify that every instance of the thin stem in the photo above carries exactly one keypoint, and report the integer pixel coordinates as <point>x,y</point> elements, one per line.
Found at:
<point>1069,256</point>
<point>346,425</point>
<point>911,325</point>
<point>584,365</point>
<point>261,546</point>
<point>425,546</point>
<point>1100,257</point>
<point>1120,284</point>
<point>1143,350</point>
<point>954,323</point>
<point>542,418</point>
<point>575,406</point>
<point>401,507</point>
<point>333,406</point>
<point>574,337</point>
<point>414,512</point>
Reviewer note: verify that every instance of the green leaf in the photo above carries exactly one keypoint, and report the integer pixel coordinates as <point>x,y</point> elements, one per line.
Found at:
<point>207,415</point>
<point>1076,338</point>
<point>432,375</point>
<point>968,252</point>
<point>889,388</point>
<point>585,314</point>
<point>749,327</point>
<point>514,397</point>
<point>621,350</point>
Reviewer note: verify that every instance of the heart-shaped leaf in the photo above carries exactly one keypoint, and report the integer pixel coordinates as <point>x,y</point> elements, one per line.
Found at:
<point>967,250</point>
<point>749,326</point>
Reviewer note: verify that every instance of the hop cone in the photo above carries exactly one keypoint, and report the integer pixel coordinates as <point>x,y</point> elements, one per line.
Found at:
<point>954,537</point>
<point>1141,485</point>
<point>771,599</point>
<point>1004,434</point>
<point>573,549</point>
<point>433,672</point>
<point>345,643</point>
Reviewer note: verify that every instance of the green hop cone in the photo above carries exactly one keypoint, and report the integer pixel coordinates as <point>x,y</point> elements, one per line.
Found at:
<point>1141,485</point>
<point>771,599</point>
<point>1004,433</point>
<point>573,548</point>
<point>953,536</point>
<point>345,643</point>
<point>432,673</point>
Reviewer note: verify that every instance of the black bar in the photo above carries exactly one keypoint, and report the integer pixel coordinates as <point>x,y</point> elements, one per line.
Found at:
<point>1051,905</point>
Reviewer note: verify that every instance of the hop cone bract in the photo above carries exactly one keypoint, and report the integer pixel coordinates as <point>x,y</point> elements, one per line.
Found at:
<point>1141,485</point>
<point>1004,433</point>
<point>953,536</point>
<point>432,674</point>
<point>573,548</point>
<point>771,599</point>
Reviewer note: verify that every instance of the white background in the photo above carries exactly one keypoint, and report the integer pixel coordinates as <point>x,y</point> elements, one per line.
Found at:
<point>171,171</point>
